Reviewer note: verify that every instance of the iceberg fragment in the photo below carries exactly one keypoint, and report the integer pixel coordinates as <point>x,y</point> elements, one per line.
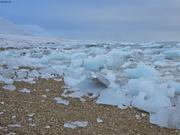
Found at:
<point>141,70</point>
<point>95,63</point>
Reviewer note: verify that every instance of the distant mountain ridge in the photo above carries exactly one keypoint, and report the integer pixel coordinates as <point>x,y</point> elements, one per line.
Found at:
<point>7,27</point>
<point>34,30</point>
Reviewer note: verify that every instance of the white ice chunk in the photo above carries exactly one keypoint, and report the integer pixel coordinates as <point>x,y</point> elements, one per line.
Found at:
<point>21,74</point>
<point>8,73</point>
<point>11,133</point>
<point>33,74</point>
<point>86,87</point>
<point>15,126</point>
<point>25,90</point>
<point>175,85</point>
<point>9,87</point>
<point>31,114</point>
<point>59,61</point>
<point>99,120</point>
<point>75,124</point>
<point>172,54</point>
<point>80,55</point>
<point>147,104</point>
<point>114,97</point>
<point>115,61</point>
<point>95,63</point>
<point>8,81</point>
<point>126,65</point>
<point>28,80</point>
<point>145,92</point>
<point>167,117</point>
<point>61,101</point>
<point>97,50</point>
<point>76,63</point>
<point>72,82</point>
<point>141,70</point>
<point>99,79</point>
<point>161,64</point>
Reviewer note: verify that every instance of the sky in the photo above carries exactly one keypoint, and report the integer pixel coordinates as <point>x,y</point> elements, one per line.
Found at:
<point>107,20</point>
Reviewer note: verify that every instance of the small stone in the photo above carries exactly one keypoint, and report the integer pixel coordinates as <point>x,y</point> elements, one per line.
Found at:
<point>2,103</point>
<point>58,80</point>
<point>99,120</point>
<point>13,117</point>
<point>143,114</point>
<point>31,114</point>
<point>137,117</point>
<point>44,96</point>
<point>47,90</point>
<point>43,101</point>
<point>25,90</point>
<point>59,100</point>
<point>30,119</point>
<point>32,125</point>
<point>11,133</point>
<point>15,126</point>
<point>47,126</point>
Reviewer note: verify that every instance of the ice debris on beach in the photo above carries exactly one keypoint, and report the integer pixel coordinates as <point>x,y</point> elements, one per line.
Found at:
<point>59,100</point>
<point>75,124</point>
<point>25,90</point>
<point>9,87</point>
<point>142,75</point>
<point>14,125</point>
<point>99,120</point>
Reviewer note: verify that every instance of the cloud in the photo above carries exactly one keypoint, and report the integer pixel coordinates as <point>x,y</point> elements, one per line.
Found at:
<point>105,19</point>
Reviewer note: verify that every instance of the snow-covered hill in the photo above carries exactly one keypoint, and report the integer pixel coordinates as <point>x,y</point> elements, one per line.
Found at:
<point>7,27</point>
<point>34,30</point>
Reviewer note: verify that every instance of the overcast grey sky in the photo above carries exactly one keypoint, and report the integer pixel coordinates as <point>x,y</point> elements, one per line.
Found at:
<point>120,20</point>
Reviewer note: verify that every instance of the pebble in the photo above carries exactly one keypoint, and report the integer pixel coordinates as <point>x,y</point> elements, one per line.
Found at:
<point>29,119</point>
<point>137,117</point>
<point>43,101</point>
<point>143,114</point>
<point>2,103</point>
<point>32,125</point>
<point>31,114</point>
<point>13,117</point>
<point>99,120</point>
<point>44,96</point>
<point>47,90</point>
<point>47,126</point>
<point>11,133</point>
<point>15,126</point>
